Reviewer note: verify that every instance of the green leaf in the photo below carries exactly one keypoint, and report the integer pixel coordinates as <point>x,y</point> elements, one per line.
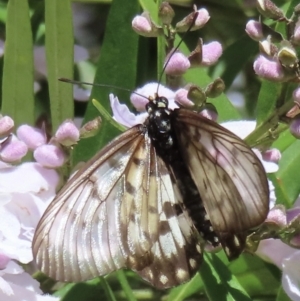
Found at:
<point>186,290</point>
<point>125,285</point>
<point>117,66</point>
<point>287,187</point>
<point>17,85</point>
<point>234,58</point>
<point>255,275</point>
<point>89,290</point>
<point>59,57</point>
<point>219,283</point>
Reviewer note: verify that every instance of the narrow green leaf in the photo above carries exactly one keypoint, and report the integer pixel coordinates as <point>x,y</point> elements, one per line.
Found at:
<point>286,185</point>
<point>235,57</point>
<point>17,85</point>
<point>125,285</point>
<point>186,290</point>
<point>220,284</point>
<point>59,56</point>
<point>116,66</point>
<point>109,293</point>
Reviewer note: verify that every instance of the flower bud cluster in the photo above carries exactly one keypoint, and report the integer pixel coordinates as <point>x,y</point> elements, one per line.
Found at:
<point>176,63</point>
<point>278,60</point>
<point>51,153</point>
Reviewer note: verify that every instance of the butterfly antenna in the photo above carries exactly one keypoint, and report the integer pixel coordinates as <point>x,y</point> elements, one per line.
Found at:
<point>176,48</point>
<point>71,81</point>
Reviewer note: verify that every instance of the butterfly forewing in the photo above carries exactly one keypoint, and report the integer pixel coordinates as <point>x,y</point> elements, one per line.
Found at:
<point>230,178</point>
<point>120,210</point>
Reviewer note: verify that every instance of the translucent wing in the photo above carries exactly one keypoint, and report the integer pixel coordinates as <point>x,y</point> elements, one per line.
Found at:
<point>230,178</point>
<point>120,210</point>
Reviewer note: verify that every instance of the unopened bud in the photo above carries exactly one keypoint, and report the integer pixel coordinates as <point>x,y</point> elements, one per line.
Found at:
<point>215,88</point>
<point>177,64</point>
<point>268,68</point>
<point>181,97</point>
<point>254,30</point>
<point>6,126</point>
<point>272,155</point>
<point>196,95</point>
<point>295,128</point>
<point>91,128</point>
<point>211,52</point>
<point>268,9</point>
<point>49,155</point>
<point>296,34</point>
<point>13,150</point>
<point>166,13</point>
<point>144,26</point>
<point>201,19</point>
<point>33,137</point>
<point>67,133</point>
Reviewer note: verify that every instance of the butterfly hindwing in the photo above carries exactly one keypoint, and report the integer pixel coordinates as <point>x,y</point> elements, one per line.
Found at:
<point>230,178</point>
<point>121,210</point>
<point>177,252</point>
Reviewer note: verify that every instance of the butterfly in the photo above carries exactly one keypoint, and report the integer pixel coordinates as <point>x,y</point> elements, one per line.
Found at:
<point>151,198</point>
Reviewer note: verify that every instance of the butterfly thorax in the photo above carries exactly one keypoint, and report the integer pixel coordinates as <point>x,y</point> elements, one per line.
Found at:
<point>161,129</point>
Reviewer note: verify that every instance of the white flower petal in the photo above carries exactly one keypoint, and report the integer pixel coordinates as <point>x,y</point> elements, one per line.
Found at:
<point>274,250</point>
<point>31,177</point>
<point>241,128</point>
<point>291,276</point>
<point>121,113</point>
<point>5,289</point>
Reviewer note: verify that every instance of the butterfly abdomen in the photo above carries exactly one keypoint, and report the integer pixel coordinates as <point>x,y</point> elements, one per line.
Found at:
<point>162,134</point>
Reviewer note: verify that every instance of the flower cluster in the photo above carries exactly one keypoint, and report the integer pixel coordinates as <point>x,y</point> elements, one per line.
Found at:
<point>50,153</point>
<point>25,192</point>
<point>278,60</point>
<point>176,63</point>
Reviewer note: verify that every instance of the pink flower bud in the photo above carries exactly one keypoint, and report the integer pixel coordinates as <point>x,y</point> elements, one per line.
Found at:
<point>296,36</point>
<point>296,95</point>
<point>4,260</point>
<point>6,126</point>
<point>270,69</point>
<point>144,26</point>
<point>211,53</point>
<point>272,155</point>
<point>254,30</point>
<point>67,134</point>
<point>177,65</point>
<point>182,99</point>
<point>277,216</point>
<point>13,151</point>
<point>49,155</point>
<point>209,114</point>
<point>202,18</point>
<point>295,128</point>
<point>32,136</point>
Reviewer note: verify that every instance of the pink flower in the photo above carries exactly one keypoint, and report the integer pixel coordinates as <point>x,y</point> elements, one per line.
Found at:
<point>270,69</point>
<point>284,256</point>
<point>177,65</point>
<point>211,52</point>
<point>254,30</point>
